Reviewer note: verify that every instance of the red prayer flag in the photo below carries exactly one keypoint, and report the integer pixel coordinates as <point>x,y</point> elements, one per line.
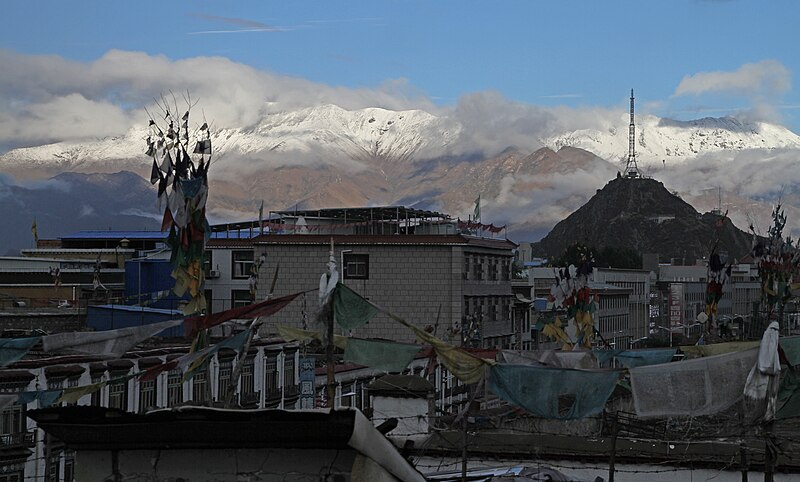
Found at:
<point>195,324</point>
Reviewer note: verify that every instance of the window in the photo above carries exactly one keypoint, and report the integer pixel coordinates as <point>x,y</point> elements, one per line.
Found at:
<point>288,370</point>
<point>248,385</point>
<point>16,476</point>
<point>240,298</point>
<point>199,386</point>
<point>242,261</point>
<point>69,466</point>
<point>209,294</point>
<point>207,260</point>
<point>174,388</point>
<point>271,375</point>
<point>97,395</point>
<point>356,266</point>
<point>148,395</point>
<point>224,379</point>
<point>118,395</point>
<point>12,419</point>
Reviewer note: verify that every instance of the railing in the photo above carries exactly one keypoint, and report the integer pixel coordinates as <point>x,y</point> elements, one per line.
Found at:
<point>26,439</point>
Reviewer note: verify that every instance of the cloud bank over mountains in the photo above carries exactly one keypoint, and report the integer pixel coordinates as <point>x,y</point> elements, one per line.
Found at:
<point>45,99</point>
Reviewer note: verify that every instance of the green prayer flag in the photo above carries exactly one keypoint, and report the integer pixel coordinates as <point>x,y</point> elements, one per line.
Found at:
<point>350,309</point>
<point>388,356</point>
<point>476,215</point>
<point>791,348</point>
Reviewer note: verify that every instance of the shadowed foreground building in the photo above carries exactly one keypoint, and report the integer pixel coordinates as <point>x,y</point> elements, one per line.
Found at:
<point>196,443</point>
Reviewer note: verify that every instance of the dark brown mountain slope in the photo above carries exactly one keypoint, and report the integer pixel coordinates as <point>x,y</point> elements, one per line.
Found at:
<point>643,215</point>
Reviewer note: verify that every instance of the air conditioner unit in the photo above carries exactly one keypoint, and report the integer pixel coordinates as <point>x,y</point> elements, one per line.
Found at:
<point>213,274</point>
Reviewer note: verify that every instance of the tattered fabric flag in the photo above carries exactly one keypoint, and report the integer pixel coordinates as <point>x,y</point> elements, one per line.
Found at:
<point>166,163</point>
<point>203,147</point>
<point>555,393</point>
<point>72,395</point>
<point>637,358</point>
<point>13,349</point>
<point>266,308</point>
<point>791,349</point>
<point>388,356</point>
<point>695,351</point>
<point>111,343</point>
<point>789,395</point>
<point>153,372</point>
<point>290,334</point>
<point>763,380</point>
<point>466,367</point>
<point>691,388</point>
<point>350,309</point>
<point>155,173</point>
<point>45,397</point>
<point>235,343</point>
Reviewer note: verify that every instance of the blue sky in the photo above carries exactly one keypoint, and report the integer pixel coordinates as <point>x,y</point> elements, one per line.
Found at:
<point>686,59</point>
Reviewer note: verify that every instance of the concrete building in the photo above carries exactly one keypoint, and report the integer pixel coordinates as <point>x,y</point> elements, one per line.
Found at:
<point>270,378</point>
<point>408,261</point>
<point>226,445</point>
<point>638,281</point>
<point>613,317</point>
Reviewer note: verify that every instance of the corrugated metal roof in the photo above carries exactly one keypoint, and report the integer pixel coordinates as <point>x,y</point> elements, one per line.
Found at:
<point>395,239</point>
<point>155,235</point>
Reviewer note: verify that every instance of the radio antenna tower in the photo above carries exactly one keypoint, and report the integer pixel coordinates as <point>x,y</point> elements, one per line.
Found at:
<point>631,168</point>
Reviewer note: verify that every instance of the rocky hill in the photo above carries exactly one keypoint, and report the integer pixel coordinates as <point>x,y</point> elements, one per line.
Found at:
<point>644,215</point>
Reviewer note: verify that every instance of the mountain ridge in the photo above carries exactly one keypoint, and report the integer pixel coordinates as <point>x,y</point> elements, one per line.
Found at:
<point>643,215</point>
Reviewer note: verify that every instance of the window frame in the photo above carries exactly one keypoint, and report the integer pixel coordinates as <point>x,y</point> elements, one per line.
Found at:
<point>360,264</point>
<point>245,265</point>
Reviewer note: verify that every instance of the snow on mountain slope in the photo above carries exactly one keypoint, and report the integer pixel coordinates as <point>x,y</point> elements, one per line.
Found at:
<point>325,132</point>
<point>661,139</point>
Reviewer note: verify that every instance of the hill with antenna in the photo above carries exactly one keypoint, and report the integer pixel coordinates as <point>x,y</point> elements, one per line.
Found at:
<point>643,215</point>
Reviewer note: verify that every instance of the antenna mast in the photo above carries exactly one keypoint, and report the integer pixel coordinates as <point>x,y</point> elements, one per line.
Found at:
<point>631,168</point>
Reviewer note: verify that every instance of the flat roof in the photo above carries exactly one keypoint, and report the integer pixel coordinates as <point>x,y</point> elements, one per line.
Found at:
<point>392,239</point>
<point>154,235</point>
<point>374,213</point>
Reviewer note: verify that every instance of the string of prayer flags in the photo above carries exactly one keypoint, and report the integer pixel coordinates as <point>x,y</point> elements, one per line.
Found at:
<point>291,334</point>
<point>197,359</point>
<point>111,343</point>
<point>73,394</point>
<point>195,324</point>
<point>463,365</point>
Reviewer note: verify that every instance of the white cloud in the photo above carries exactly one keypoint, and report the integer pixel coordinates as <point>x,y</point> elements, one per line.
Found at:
<point>761,78</point>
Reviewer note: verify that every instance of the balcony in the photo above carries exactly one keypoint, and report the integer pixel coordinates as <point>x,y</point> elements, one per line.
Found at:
<point>19,439</point>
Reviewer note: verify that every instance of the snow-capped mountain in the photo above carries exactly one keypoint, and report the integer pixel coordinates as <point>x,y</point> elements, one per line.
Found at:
<point>327,156</point>
<point>325,133</point>
<point>660,139</point>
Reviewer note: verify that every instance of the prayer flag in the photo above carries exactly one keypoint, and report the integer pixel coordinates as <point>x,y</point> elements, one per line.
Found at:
<point>476,216</point>
<point>266,308</point>
<point>388,356</point>
<point>350,309</point>
<point>13,349</point>
<point>111,343</point>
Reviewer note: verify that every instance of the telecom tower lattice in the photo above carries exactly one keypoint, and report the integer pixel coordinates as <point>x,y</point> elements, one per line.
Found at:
<point>631,168</point>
